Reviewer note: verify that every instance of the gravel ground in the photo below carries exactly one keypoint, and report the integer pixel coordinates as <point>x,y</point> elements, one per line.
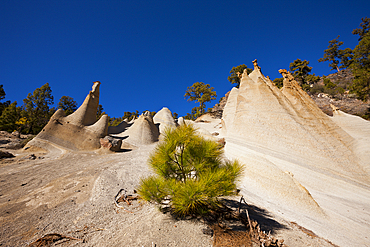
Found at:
<point>72,194</point>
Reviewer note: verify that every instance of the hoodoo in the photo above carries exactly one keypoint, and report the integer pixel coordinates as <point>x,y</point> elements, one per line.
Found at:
<point>78,131</point>
<point>142,131</point>
<point>164,119</point>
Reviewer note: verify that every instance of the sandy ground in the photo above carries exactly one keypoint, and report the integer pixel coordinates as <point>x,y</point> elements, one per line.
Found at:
<point>72,193</point>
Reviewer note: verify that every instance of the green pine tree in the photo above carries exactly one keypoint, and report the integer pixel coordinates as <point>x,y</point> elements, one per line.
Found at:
<point>235,73</point>
<point>68,104</point>
<point>9,117</point>
<point>336,56</point>
<point>361,68</point>
<point>200,93</point>
<point>36,109</point>
<point>190,174</point>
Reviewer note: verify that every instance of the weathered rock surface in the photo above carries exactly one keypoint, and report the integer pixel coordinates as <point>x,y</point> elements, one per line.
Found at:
<point>119,128</point>
<point>291,150</point>
<point>164,119</point>
<point>78,131</point>
<point>142,131</point>
<point>111,143</point>
<point>343,77</point>
<point>345,103</point>
<point>180,121</point>
<point>218,109</point>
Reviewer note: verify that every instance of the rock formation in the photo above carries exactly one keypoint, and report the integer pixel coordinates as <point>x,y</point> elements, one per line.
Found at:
<point>142,131</point>
<point>78,131</point>
<point>290,148</point>
<point>110,143</point>
<point>119,128</point>
<point>180,121</point>
<point>164,119</point>
<point>288,122</point>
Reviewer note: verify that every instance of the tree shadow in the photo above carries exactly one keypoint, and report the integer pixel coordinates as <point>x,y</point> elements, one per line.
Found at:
<point>262,216</point>
<point>123,150</point>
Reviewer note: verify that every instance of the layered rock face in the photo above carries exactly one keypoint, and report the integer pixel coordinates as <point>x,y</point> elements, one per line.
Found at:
<point>78,131</point>
<point>299,162</point>
<point>289,123</point>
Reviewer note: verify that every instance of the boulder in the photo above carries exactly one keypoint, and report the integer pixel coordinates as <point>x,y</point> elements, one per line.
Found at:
<point>111,143</point>
<point>16,134</point>
<point>4,154</point>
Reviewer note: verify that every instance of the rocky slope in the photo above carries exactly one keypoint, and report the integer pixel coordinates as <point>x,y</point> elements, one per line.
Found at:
<point>344,102</point>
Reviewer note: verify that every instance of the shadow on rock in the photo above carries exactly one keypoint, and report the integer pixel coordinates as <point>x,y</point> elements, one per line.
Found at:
<point>262,216</point>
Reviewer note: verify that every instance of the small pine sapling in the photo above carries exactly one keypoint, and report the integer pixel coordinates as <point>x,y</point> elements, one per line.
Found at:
<point>190,174</point>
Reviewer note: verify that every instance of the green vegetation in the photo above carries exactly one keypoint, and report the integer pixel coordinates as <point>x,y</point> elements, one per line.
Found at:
<point>34,114</point>
<point>200,93</point>
<point>9,118</point>
<point>361,61</point>
<point>128,116</point>
<point>99,112</point>
<point>5,104</point>
<point>364,28</point>
<point>361,68</point>
<point>190,175</point>
<point>235,73</point>
<point>278,82</point>
<point>300,70</point>
<point>358,60</point>
<point>67,104</point>
<point>36,109</point>
<point>336,56</point>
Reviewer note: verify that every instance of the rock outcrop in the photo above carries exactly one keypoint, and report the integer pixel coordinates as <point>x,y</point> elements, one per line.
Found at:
<point>218,108</point>
<point>288,122</point>
<point>78,131</point>
<point>285,124</point>
<point>164,119</point>
<point>110,143</point>
<point>142,131</point>
<point>119,128</point>
<point>277,133</point>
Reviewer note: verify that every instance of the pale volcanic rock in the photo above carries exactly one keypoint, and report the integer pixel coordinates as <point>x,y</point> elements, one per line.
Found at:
<point>78,131</point>
<point>142,131</point>
<point>180,121</point>
<point>300,162</point>
<point>164,119</point>
<point>119,128</point>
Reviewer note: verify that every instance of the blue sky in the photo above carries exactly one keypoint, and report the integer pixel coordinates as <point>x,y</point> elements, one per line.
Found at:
<point>146,53</point>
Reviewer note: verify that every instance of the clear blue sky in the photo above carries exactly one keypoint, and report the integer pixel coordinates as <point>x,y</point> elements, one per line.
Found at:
<point>146,53</point>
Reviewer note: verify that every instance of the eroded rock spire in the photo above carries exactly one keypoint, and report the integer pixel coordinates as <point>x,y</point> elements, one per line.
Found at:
<point>78,131</point>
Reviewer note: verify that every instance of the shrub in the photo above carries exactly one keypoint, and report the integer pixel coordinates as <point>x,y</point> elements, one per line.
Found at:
<point>317,88</point>
<point>190,174</point>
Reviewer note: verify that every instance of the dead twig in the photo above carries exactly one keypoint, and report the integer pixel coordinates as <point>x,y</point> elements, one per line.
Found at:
<point>249,220</point>
<point>123,197</point>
